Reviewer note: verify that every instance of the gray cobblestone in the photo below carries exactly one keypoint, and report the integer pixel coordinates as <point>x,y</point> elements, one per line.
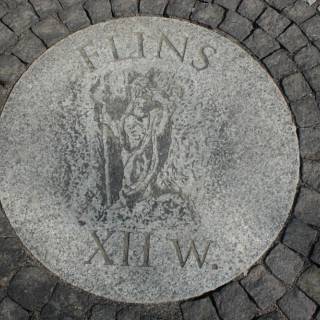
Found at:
<point>208,14</point>
<point>75,18</point>
<point>3,9</point>
<point>263,287</point>
<point>299,12</point>
<point>103,312</point>
<point>124,7</point>
<point>309,143</point>
<point>315,257</point>
<point>295,87</point>
<point>251,9</point>
<point>236,25</point>
<point>299,237</point>
<point>9,310</point>
<point>128,314</point>
<point>12,4</point>
<point>312,27</point>
<point>201,309</point>
<point>261,44</point>
<point>233,303</point>
<point>20,19</point>
<point>307,57</point>
<point>5,227</point>
<point>29,47</point>
<point>280,64</point>
<point>7,37</point>
<point>309,282</point>
<point>46,7</point>
<point>297,306</point>
<point>272,316</point>
<point>273,22</point>
<point>180,8</point>
<point>10,68</point>
<point>155,7</point>
<point>50,30</point>
<point>98,10</point>
<point>280,4</point>
<point>293,39</point>
<point>70,3</point>
<point>313,76</point>
<point>229,4</point>
<point>284,263</point>
<point>311,174</point>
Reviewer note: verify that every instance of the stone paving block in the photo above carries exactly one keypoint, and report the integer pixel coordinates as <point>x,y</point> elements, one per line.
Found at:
<point>272,316</point>
<point>261,44</point>
<point>156,7</point>
<point>313,76</point>
<point>280,64</point>
<point>103,312</point>
<point>20,19</point>
<point>295,87</point>
<point>29,47</point>
<point>311,174</point>
<point>46,7</point>
<point>13,4</point>
<point>5,227</point>
<point>284,263</point>
<point>312,27</point>
<point>306,111</point>
<point>50,30</point>
<point>9,310</point>
<point>309,143</point>
<point>75,18</point>
<point>297,306</point>
<point>66,301</point>
<point>7,38</point>
<point>308,207</point>
<point>208,14</point>
<point>273,22</point>
<point>233,303</point>
<point>293,39</point>
<point>280,4</point>
<point>10,68</point>
<point>229,4</point>
<point>31,287</point>
<point>309,282</point>
<point>3,8</point>
<point>315,256</point>
<point>128,313</point>
<point>124,7</point>
<point>299,12</point>
<point>70,3</point>
<point>201,309</point>
<point>263,287</point>
<point>299,237</point>
<point>236,25</point>
<point>98,10</point>
<point>307,57</point>
<point>180,8</point>
<point>251,9</point>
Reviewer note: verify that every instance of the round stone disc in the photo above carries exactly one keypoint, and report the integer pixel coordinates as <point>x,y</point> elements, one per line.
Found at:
<point>147,160</point>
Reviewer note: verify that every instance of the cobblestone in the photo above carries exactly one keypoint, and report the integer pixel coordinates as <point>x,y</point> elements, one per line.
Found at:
<point>229,4</point>
<point>309,146</point>
<point>295,87</point>
<point>201,309</point>
<point>263,287</point>
<point>315,257</point>
<point>280,4</point>
<point>3,9</point>
<point>9,310</point>
<point>128,314</point>
<point>208,14</point>
<point>284,263</point>
<point>296,305</point>
<point>5,227</point>
<point>299,237</point>
<point>155,7</point>
<point>299,12</point>
<point>7,37</point>
<point>70,3</point>
<point>293,39</point>
<point>46,7</point>
<point>312,27</point>
<point>272,316</point>
<point>74,18</point>
<point>124,8</point>
<point>307,57</point>
<point>233,303</point>
<point>103,312</point>
<point>311,174</point>
<point>98,10</point>
<point>310,283</point>
<point>236,25</point>
<point>180,8</point>
<point>313,76</point>
<point>10,68</point>
<point>251,9</point>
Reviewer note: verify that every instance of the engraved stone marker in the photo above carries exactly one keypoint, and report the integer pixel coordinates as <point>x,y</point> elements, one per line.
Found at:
<point>147,159</point>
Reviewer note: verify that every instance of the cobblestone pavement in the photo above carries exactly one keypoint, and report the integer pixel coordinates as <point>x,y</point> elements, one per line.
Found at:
<point>285,36</point>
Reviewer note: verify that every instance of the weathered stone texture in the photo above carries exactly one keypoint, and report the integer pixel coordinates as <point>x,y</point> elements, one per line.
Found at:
<point>311,174</point>
<point>70,3</point>
<point>7,38</point>
<point>124,8</point>
<point>293,39</point>
<point>103,312</point>
<point>309,143</point>
<point>180,8</point>
<point>98,10</point>
<point>315,257</point>
<point>208,14</point>
<point>155,7</point>
<point>74,18</point>
<point>10,68</point>
<point>312,27</point>
<point>299,12</point>
<point>307,57</point>
<point>46,7</point>
<point>272,316</point>
<point>229,4</point>
<point>310,283</point>
<point>201,309</point>
<point>295,87</point>
<point>313,77</point>
<point>280,4</point>
<point>251,9</point>
<point>306,111</point>
<point>9,310</point>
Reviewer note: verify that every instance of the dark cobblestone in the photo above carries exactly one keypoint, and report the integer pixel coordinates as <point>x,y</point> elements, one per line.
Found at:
<point>313,76</point>
<point>299,12</point>
<point>29,47</point>
<point>307,57</point>
<point>299,237</point>
<point>309,143</point>
<point>293,39</point>
<point>310,283</point>
<point>13,4</point>
<point>75,18</point>
<point>5,227</point>
<point>295,87</point>
<point>208,14</point>
<point>124,7</point>
<point>20,19</point>
<point>103,312</point>
<point>251,9</point>
<point>284,263</point>
<point>315,257</point>
<point>272,316</point>
<point>229,4</point>
<point>263,287</point>
<point>312,27</point>
<point>233,303</point>
<point>10,68</point>
<point>280,64</point>
<point>98,10</point>
<point>46,7</point>
<point>9,310</point>
<point>273,22</point>
<point>180,8</point>
<point>261,44</point>
<point>31,287</point>
<point>50,30</point>
<point>201,309</point>
<point>236,25</point>
<point>311,174</point>
<point>306,112</point>
<point>280,4</point>
<point>155,7</point>
<point>70,3</point>
<point>3,9</point>
<point>7,37</point>
<point>296,305</point>
<point>128,313</point>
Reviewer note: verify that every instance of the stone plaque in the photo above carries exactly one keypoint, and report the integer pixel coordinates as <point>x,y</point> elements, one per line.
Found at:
<point>147,160</point>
